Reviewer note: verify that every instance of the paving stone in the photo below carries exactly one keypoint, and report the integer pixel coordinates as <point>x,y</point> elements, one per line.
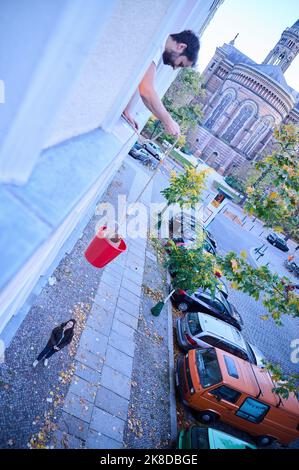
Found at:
<point>106,304</point>
<point>132,287</point>
<point>93,341</point>
<point>86,373</point>
<point>76,406</point>
<point>106,293</point>
<point>151,256</point>
<point>128,307</point>
<point>119,361</point>
<point>62,440</point>
<point>133,276</point>
<point>126,318</point>
<point>83,388</point>
<point>110,280</point>
<point>112,403</point>
<point>138,257</point>
<point>100,320</point>
<point>104,422</point>
<point>134,262</point>
<point>123,329</point>
<point>127,295</point>
<point>117,382</point>
<point>89,359</point>
<point>122,343</point>
<point>97,440</point>
<point>112,273</point>
<point>73,426</point>
<point>135,269</point>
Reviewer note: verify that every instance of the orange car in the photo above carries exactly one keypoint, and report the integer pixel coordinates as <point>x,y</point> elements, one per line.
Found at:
<point>222,386</point>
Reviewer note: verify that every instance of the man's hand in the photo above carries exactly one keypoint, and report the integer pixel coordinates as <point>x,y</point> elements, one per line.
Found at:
<point>172,127</point>
<point>129,118</point>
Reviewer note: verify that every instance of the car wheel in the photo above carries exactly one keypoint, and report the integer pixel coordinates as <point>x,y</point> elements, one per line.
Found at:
<point>183,306</point>
<point>207,417</point>
<point>263,441</point>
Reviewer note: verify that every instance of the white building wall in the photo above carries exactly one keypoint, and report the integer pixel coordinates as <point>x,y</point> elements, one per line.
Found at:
<point>71,88</point>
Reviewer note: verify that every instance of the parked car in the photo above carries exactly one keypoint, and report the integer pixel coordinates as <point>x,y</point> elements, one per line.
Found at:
<point>277,241</point>
<point>292,266</point>
<point>185,225</point>
<point>134,149</point>
<point>197,437</point>
<point>219,385</point>
<point>203,301</point>
<point>188,242</point>
<point>154,149</point>
<point>200,330</point>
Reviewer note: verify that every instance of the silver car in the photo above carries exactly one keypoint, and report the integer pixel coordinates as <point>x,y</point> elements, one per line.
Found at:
<point>200,330</point>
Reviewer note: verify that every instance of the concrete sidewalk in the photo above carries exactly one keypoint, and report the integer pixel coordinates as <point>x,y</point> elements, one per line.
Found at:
<point>96,405</point>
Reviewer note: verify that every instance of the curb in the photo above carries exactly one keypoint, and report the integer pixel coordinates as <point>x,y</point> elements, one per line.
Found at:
<point>172,400</point>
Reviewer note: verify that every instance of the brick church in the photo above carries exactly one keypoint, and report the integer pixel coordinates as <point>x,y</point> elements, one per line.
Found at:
<point>243,102</point>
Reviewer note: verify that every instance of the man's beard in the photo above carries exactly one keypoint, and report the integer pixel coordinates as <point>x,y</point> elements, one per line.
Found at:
<point>169,57</point>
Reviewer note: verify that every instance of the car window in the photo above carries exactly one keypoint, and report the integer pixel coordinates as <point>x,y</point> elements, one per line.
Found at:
<point>215,304</point>
<point>252,410</point>
<point>232,349</point>
<point>193,323</point>
<point>208,367</point>
<point>226,393</point>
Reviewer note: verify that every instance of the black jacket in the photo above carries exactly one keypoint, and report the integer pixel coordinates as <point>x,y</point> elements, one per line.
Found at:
<point>56,336</point>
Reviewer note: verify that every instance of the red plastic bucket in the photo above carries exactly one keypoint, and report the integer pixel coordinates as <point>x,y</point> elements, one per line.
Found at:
<point>100,250</point>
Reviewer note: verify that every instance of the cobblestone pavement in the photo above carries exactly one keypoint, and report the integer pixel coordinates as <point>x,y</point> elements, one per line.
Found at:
<point>148,425</point>
<point>274,341</point>
<point>30,399</point>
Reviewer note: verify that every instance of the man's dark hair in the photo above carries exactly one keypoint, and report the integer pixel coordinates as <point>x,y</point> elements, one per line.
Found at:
<point>192,41</point>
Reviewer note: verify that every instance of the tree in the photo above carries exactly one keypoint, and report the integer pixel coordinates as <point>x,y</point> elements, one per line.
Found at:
<point>274,196</point>
<point>185,189</point>
<point>191,268</point>
<point>178,102</point>
<point>260,282</point>
<point>283,384</point>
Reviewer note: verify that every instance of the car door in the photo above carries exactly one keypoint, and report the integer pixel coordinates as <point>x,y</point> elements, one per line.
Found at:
<point>226,397</point>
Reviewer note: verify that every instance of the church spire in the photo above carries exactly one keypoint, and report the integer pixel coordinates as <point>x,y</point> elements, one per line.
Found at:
<point>286,49</point>
<point>232,42</point>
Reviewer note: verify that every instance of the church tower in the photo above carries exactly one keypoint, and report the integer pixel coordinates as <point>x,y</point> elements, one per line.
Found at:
<point>286,49</point>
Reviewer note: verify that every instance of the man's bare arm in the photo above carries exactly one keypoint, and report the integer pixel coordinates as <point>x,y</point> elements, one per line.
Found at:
<point>152,101</point>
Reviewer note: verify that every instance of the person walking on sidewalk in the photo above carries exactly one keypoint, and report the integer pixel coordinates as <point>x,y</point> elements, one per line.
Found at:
<point>61,336</point>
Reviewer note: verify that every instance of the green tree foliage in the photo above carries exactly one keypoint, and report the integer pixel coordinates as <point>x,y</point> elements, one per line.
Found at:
<point>274,196</point>
<point>186,188</point>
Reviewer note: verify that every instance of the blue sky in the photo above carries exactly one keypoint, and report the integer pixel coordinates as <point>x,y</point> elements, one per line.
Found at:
<point>260,24</point>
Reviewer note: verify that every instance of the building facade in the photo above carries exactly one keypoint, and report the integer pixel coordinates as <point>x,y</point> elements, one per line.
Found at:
<point>243,103</point>
<point>67,71</point>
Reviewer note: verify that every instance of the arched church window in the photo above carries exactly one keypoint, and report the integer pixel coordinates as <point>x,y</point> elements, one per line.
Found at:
<point>258,135</point>
<point>237,124</point>
<point>227,98</point>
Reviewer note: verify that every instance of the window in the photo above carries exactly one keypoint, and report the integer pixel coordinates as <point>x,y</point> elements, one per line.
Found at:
<point>215,304</point>
<point>219,110</point>
<point>226,393</point>
<point>208,367</point>
<point>231,367</point>
<point>193,323</point>
<point>253,410</point>
<point>238,123</point>
<point>232,349</point>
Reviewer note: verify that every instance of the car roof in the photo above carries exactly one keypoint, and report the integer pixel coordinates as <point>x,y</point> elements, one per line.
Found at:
<point>254,381</point>
<point>220,329</point>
